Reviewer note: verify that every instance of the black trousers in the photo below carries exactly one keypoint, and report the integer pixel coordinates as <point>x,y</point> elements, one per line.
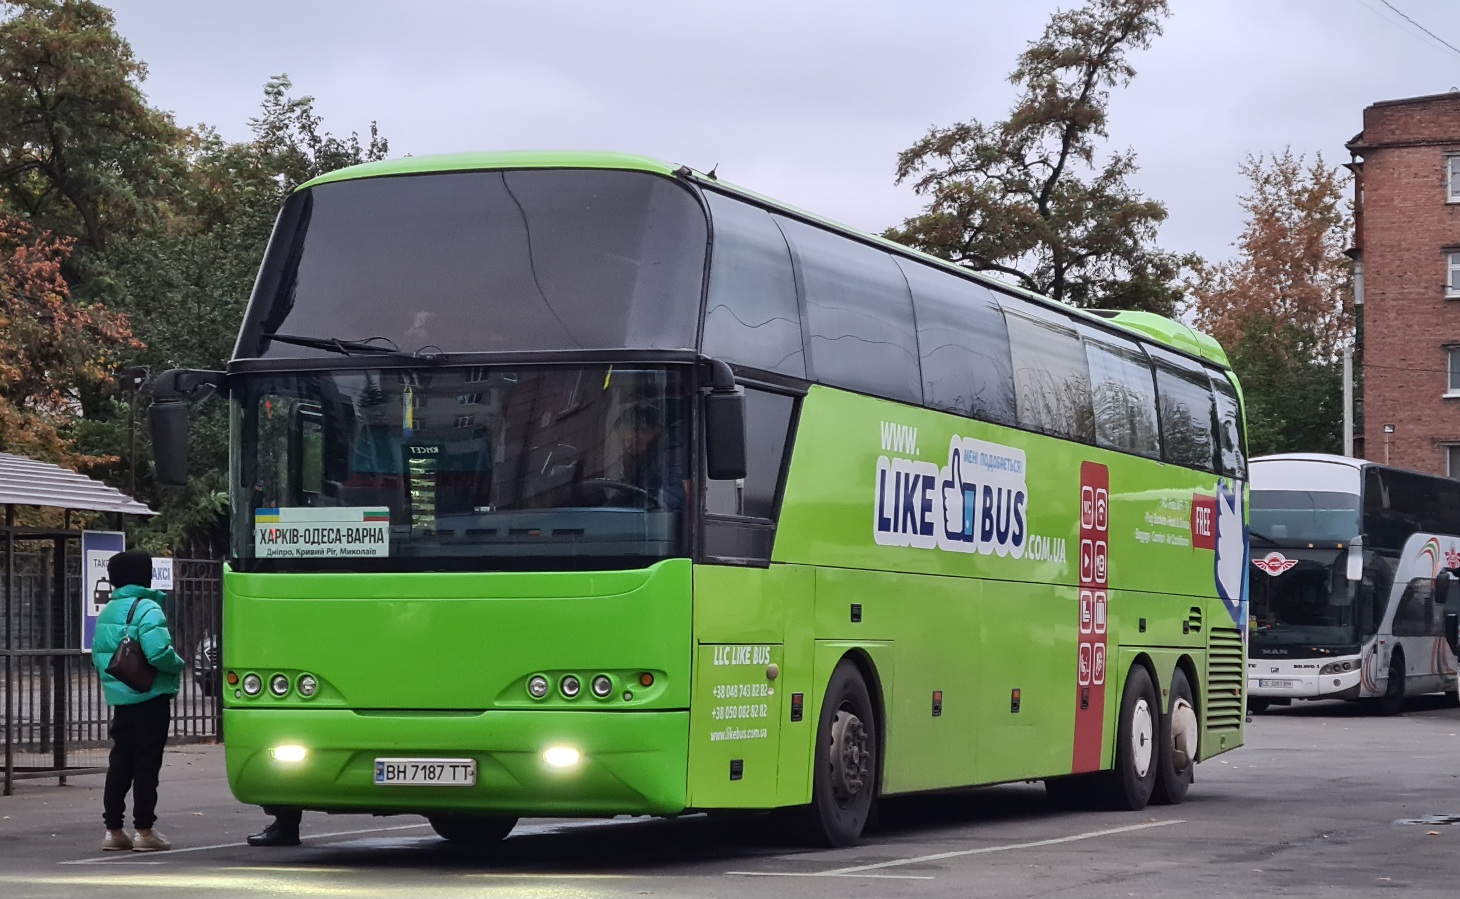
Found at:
<point>139,732</point>
<point>285,815</point>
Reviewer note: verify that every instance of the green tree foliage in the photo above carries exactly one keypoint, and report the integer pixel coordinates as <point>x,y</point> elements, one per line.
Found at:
<point>1027,198</point>
<point>162,224</point>
<point>1283,308</point>
<point>81,152</point>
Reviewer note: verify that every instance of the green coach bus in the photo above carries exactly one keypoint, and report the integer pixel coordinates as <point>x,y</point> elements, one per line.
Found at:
<point>571,484</point>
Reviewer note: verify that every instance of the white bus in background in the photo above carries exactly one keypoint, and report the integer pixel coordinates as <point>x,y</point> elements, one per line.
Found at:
<point>1345,554</point>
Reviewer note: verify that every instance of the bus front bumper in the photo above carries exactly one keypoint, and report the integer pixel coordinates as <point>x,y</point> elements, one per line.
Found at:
<point>1344,685</point>
<point>630,762</point>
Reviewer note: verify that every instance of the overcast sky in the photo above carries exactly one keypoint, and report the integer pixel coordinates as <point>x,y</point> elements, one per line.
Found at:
<point>807,101</point>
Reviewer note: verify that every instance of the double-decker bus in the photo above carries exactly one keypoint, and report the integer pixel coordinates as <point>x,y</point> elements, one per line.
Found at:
<point>1345,554</point>
<point>584,484</point>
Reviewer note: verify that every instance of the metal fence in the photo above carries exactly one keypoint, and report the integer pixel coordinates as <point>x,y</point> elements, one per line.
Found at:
<point>56,719</point>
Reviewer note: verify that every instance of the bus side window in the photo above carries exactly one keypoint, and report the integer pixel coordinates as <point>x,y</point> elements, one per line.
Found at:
<point>1051,376</point>
<point>751,318</point>
<point>1188,411</point>
<point>858,314</point>
<point>740,516</point>
<point>1123,389</point>
<point>1229,428</point>
<point>964,344</point>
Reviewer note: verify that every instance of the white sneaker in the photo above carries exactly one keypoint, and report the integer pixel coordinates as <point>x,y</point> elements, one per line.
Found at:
<point>152,842</point>
<point>115,841</point>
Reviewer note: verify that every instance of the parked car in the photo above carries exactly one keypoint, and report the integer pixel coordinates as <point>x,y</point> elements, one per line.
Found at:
<point>207,666</point>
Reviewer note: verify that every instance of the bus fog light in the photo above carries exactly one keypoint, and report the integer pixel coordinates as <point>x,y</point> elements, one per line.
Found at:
<point>602,686</point>
<point>289,752</point>
<point>252,684</point>
<point>570,686</point>
<point>279,684</point>
<point>561,756</point>
<point>537,686</point>
<point>307,685</point>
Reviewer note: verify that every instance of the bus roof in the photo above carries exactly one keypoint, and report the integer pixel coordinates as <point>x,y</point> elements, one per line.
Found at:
<point>1168,332</point>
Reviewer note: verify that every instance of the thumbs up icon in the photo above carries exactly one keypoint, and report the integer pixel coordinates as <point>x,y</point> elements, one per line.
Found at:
<point>958,502</point>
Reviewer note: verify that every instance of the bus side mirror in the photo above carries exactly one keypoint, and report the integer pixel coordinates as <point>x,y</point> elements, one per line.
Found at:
<point>724,425</point>
<point>1356,559</point>
<point>1444,585</point>
<point>168,422</point>
<point>173,393</point>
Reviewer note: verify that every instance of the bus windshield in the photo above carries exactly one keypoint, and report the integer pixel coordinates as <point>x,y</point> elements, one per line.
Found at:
<point>480,262</point>
<point>482,468</point>
<point>1309,602</point>
<point>1285,516</point>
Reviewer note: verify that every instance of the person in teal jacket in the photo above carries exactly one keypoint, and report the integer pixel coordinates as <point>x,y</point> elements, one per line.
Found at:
<point>140,721</point>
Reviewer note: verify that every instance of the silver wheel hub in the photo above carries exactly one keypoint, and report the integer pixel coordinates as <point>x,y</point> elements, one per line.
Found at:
<point>851,753</point>
<point>1142,733</point>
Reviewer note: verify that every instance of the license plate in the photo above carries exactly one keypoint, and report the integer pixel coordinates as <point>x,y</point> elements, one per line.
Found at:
<point>426,772</point>
<point>1279,684</point>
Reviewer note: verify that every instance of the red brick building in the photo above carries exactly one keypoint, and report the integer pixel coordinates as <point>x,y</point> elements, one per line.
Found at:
<point>1407,280</point>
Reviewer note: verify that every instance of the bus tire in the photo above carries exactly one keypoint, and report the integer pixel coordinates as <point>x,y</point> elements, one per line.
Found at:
<point>472,830</point>
<point>1128,787</point>
<point>1180,740</point>
<point>846,764</point>
<point>1393,699</point>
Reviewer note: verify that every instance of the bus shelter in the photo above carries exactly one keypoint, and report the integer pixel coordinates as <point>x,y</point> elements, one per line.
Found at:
<point>55,718</point>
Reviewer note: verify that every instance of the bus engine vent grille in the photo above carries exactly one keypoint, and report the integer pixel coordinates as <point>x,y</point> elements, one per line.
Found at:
<point>1226,671</point>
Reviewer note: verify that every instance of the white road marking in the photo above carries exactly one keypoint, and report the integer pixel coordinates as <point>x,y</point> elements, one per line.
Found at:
<point>116,857</point>
<point>859,870</point>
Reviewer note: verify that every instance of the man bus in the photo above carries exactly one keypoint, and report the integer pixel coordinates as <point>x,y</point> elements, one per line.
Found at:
<point>1345,554</point>
<point>889,526</point>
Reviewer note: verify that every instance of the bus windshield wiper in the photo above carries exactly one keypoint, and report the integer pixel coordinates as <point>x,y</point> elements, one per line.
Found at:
<point>344,347</point>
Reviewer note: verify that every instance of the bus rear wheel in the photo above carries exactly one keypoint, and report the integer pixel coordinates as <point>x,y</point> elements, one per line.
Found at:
<point>472,830</point>
<point>845,776</point>
<point>1180,733</point>
<point>1128,787</point>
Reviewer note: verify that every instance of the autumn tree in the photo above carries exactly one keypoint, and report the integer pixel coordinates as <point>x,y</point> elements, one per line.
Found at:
<point>1027,198</point>
<point>51,348</point>
<point>1283,307</point>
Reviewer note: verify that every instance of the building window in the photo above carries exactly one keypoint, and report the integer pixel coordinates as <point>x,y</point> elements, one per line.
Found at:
<point>1452,169</point>
<point>1452,274</point>
<point>464,421</point>
<point>468,399</point>
<point>1452,460</point>
<point>1452,386</point>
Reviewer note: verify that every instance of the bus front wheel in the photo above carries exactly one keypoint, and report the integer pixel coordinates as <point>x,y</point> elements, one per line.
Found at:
<point>472,830</point>
<point>1129,786</point>
<point>845,776</point>
<point>1180,731</point>
<point>1393,699</point>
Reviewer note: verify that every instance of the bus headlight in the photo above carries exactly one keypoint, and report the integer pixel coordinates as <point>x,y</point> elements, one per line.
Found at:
<point>561,756</point>
<point>252,684</point>
<point>570,686</point>
<point>307,685</point>
<point>1338,667</point>
<point>279,684</point>
<point>537,686</point>
<point>602,686</point>
<point>289,752</point>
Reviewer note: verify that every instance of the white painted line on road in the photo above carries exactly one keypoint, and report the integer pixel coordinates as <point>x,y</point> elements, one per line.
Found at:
<point>859,870</point>
<point>311,837</point>
<point>829,874</point>
<point>116,858</point>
